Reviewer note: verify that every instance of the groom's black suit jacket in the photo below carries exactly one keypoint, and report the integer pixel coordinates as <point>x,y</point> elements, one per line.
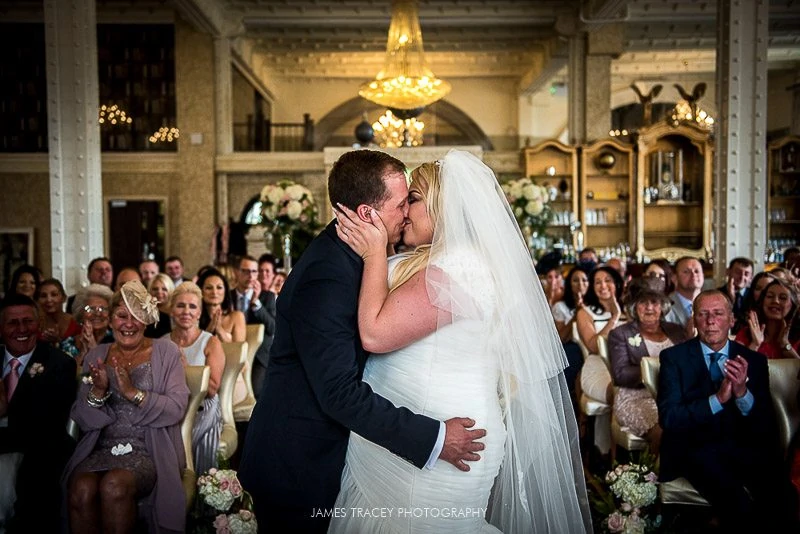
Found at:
<point>296,442</point>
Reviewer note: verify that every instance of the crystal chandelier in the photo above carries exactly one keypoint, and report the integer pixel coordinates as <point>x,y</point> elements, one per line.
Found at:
<point>394,132</point>
<point>683,113</point>
<point>406,82</point>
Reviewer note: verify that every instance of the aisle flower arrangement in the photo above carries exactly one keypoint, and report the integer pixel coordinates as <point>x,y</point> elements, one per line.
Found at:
<point>223,506</point>
<point>288,210</point>
<point>623,500</point>
<point>530,204</point>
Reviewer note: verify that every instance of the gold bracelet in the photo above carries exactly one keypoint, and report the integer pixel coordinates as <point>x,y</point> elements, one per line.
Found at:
<point>138,398</point>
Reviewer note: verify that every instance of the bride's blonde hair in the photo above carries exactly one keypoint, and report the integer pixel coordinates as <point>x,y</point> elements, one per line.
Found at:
<point>427,177</point>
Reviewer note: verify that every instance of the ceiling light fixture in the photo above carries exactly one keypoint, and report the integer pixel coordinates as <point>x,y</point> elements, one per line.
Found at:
<point>405,84</point>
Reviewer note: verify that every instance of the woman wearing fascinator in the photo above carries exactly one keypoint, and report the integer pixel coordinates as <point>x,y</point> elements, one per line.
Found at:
<point>129,409</point>
<point>463,326</point>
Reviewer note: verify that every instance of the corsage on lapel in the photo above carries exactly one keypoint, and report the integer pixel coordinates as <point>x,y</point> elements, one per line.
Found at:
<point>36,369</point>
<point>635,341</point>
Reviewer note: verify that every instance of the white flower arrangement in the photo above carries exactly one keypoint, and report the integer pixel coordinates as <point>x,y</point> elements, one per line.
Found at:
<point>219,488</point>
<point>36,369</point>
<point>529,202</point>
<point>635,486</point>
<point>635,341</point>
<point>288,206</point>
<point>222,492</point>
<point>242,522</point>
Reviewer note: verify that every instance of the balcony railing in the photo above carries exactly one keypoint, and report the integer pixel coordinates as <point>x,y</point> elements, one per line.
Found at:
<point>266,136</point>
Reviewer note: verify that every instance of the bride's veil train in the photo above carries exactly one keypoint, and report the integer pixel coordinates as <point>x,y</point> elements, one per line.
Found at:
<point>540,486</point>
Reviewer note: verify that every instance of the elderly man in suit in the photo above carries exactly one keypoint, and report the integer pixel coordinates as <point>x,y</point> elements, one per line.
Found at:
<point>719,430</point>
<point>258,307</point>
<point>40,384</point>
<point>313,397</point>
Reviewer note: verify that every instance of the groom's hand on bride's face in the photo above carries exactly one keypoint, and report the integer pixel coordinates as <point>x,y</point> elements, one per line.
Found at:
<point>460,445</point>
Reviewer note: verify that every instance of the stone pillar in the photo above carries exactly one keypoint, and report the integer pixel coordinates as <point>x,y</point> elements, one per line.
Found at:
<point>76,198</point>
<point>576,76</point>
<point>740,192</point>
<point>223,102</point>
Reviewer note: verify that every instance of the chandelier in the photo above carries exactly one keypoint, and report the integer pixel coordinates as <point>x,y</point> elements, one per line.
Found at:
<point>683,113</point>
<point>394,132</point>
<point>406,82</point>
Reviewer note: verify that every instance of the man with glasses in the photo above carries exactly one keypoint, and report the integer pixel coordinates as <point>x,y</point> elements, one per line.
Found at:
<point>258,307</point>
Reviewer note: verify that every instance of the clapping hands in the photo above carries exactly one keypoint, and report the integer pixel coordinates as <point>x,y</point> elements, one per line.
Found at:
<point>99,378</point>
<point>734,384</point>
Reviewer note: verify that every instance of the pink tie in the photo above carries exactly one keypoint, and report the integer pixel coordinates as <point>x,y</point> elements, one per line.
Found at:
<point>12,379</point>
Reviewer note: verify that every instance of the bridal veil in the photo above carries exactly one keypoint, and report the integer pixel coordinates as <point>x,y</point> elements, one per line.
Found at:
<point>480,269</point>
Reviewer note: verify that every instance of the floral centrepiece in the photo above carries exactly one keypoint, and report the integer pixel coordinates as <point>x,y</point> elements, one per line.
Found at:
<point>231,506</point>
<point>632,488</point>
<point>289,209</point>
<point>529,202</point>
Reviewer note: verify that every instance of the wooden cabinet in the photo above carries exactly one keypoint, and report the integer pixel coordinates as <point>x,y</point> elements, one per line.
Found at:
<point>607,178</point>
<point>783,204</point>
<point>674,175</point>
<point>554,165</point>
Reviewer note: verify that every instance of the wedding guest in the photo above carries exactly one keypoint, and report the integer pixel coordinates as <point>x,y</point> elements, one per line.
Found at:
<point>173,267</point>
<point>575,288</point>
<point>601,311</point>
<point>147,270</point>
<point>100,271</point>
<point>160,288</point>
<point>199,348</point>
<point>278,281</point>
<point>266,271</point>
<point>91,310</point>
<point>218,315</point>
<point>737,282</point>
<point>646,335</point>
<point>689,281</point>
<point>39,383</point>
<point>769,326</point>
<point>760,281</point>
<point>126,275</point>
<point>56,324</point>
<point>661,269</point>
<point>553,282</point>
<point>719,429</point>
<point>25,280</point>
<point>130,459</point>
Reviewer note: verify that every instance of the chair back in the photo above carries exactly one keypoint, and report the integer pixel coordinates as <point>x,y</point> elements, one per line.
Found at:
<point>650,368</point>
<point>602,350</point>
<point>783,388</point>
<point>576,337</point>
<point>197,379</point>
<point>254,337</point>
<point>235,358</point>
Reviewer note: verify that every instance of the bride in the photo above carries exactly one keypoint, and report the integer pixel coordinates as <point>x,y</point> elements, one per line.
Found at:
<point>466,329</point>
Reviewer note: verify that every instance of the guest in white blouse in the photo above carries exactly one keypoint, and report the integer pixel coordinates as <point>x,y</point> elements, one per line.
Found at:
<point>601,312</point>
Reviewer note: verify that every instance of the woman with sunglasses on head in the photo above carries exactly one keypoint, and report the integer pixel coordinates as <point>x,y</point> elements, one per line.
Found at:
<point>91,309</point>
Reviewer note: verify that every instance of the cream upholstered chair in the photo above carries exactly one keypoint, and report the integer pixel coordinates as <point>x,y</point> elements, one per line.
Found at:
<point>235,357</point>
<point>243,409</point>
<point>197,379</point>
<point>680,490</point>
<point>619,437</point>
<point>596,393</point>
<point>783,387</point>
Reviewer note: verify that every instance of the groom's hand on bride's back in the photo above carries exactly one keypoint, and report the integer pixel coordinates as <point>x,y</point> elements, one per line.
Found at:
<point>460,445</point>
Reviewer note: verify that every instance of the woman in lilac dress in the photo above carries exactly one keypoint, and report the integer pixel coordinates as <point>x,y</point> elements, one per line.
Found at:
<point>130,458</point>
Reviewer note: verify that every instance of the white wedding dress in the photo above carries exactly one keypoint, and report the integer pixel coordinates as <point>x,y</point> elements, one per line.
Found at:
<point>446,374</point>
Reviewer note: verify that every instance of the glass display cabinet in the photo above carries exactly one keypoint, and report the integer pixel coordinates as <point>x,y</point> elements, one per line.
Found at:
<point>783,201</point>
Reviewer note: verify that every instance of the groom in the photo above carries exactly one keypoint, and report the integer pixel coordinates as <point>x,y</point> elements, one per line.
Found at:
<point>294,452</point>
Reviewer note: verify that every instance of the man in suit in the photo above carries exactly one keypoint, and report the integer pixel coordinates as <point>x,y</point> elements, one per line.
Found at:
<point>313,397</point>
<point>173,266</point>
<point>719,430</point>
<point>100,271</point>
<point>737,282</point>
<point>258,307</point>
<point>689,280</point>
<point>40,383</point>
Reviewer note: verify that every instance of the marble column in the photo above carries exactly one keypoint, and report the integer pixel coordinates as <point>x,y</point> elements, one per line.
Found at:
<point>576,74</point>
<point>223,102</point>
<point>76,198</point>
<point>740,192</point>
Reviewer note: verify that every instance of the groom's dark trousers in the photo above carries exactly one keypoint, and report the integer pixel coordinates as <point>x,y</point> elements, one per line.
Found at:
<point>313,396</point>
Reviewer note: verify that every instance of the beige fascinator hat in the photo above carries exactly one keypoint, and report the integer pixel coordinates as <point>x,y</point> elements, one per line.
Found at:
<point>142,305</point>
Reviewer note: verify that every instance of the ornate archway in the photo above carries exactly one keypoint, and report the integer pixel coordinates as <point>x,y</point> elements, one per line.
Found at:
<point>355,107</point>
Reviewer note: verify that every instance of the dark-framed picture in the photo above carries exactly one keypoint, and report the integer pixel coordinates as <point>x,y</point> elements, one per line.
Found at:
<point>16,248</point>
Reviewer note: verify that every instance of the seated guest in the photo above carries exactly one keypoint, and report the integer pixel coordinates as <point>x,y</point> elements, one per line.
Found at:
<point>39,386</point>
<point>553,284</point>
<point>759,283</point>
<point>689,282</point>
<point>660,269</point>
<point>25,281</point>
<point>791,258</point>
<point>266,271</point>
<point>645,336</point>
<point>173,266</point>
<point>769,326</point>
<point>719,429</point>
<point>131,455</point>
<point>601,311</point>
<point>91,310</point>
<point>277,282</point>
<point>199,348</point>
<point>100,271</point>
<point>126,275</point>
<point>56,325</point>
<point>147,270</point>
<point>160,288</point>
<point>737,282</point>
<point>218,315</point>
<point>576,286</point>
